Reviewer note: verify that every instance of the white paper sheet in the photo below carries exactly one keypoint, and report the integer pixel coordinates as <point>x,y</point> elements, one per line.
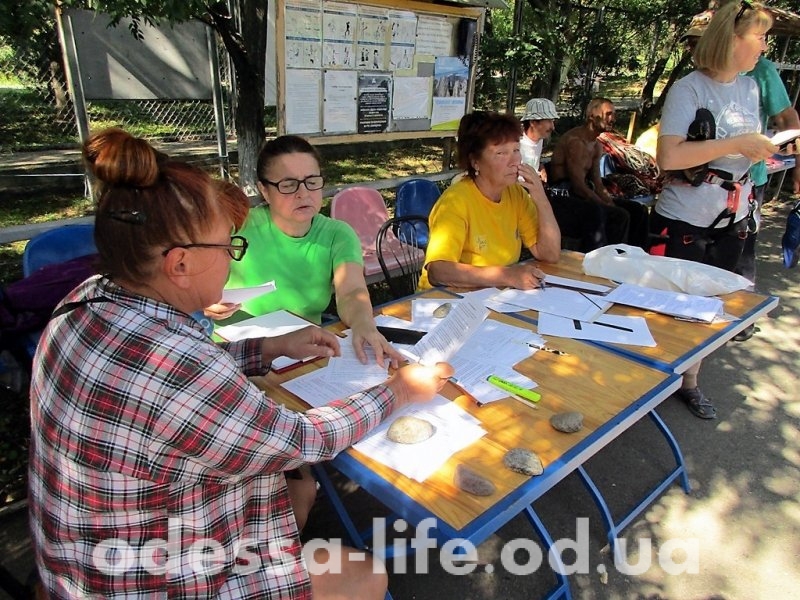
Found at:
<point>239,295</point>
<point>558,301</point>
<point>450,334</point>
<point>422,310</point>
<point>676,304</point>
<point>271,324</point>
<point>783,137</point>
<point>493,350</point>
<point>606,328</point>
<point>455,429</point>
<point>317,389</point>
<point>347,367</point>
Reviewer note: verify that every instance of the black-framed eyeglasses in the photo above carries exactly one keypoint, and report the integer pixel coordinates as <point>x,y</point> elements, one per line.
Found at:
<point>290,186</point>
<point>236,249</point>
<point>744,5</point>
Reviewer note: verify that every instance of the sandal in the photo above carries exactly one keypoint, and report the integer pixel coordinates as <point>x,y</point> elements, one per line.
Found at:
<point>745,334</point>
<point>698,404</point>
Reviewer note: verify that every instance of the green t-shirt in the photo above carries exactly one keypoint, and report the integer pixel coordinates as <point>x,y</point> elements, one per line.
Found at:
<point>302,268</point>
<point>773,100</point>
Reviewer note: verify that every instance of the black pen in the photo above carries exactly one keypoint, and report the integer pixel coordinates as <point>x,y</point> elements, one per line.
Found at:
<point>609,325</point>
<point>546,349</point>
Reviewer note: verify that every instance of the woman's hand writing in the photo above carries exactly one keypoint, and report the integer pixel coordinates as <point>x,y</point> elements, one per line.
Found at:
<point>523,276</point>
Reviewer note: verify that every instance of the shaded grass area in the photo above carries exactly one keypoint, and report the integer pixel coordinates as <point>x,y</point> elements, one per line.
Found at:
<point>342,165</point>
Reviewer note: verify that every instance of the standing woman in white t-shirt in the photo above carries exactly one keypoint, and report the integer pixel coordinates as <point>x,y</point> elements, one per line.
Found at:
<point>705,220</point>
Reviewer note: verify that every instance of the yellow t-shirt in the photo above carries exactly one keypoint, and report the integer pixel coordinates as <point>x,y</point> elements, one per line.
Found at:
<point>467,227</point>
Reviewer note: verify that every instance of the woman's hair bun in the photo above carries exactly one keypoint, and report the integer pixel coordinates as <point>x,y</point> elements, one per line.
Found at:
<point>115,157</point>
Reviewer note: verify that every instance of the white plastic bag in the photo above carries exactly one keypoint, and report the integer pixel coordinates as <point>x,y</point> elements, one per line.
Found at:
<point>631,264</point>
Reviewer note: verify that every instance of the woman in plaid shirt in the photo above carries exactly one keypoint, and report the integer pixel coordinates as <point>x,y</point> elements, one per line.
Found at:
<point>157,467</point>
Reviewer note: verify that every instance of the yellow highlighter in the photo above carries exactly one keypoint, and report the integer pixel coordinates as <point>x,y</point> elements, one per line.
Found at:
<point>514,389</point>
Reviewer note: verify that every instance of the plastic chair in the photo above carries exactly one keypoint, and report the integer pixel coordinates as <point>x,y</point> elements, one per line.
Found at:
<point>416,197</point>
<point>54,246</point>
<point>399,253</point>
<point>58,245</point>
<point>365,211</point>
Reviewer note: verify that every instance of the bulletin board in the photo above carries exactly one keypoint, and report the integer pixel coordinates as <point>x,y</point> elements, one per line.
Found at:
<point>376,70</point>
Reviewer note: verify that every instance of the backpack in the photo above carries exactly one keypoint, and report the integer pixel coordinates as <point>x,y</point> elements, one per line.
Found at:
<point>26,304</point>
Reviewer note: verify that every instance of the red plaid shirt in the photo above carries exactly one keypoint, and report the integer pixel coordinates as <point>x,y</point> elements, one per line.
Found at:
<point>157,467</point>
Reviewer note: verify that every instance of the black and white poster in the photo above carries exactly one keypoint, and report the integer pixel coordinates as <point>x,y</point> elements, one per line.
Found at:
<point>374,102</point>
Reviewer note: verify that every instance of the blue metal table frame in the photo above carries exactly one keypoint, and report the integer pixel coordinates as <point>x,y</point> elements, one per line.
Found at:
<point>520,500</point>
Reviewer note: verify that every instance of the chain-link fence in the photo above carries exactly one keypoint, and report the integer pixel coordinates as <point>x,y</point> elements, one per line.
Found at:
<point>38,114</point>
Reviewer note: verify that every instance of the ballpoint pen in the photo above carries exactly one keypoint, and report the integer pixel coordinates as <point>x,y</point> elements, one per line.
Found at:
<point>546,348</point>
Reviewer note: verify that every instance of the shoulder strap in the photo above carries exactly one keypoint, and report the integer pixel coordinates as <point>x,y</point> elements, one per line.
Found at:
<point>70,306</point>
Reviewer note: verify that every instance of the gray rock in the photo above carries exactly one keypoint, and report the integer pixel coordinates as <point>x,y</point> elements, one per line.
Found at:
<point>441,311</point>
<point>410,430</point>
<point>469,481</point>
<point>568,422</point>
<point>523,461</point>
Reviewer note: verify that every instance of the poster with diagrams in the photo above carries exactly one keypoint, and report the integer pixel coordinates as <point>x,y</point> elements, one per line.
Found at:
<point>304,88</point>
<point>303,31</point>
<point>340,102</point>
<point>351,67</point>
<point>371,38</point>
<point>339,22</point>
<point>402,39</point>
<point>450,80</point>
<point>374,102</point>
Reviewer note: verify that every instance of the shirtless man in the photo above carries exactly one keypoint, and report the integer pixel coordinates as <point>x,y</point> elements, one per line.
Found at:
<point>576,166</point>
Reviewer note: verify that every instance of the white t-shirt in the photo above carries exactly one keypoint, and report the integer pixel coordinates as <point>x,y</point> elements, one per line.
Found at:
<point>531,151</point>
<point>735,109</point>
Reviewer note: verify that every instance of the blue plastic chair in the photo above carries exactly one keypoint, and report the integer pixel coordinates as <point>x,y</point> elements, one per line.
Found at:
<point>416,197</point>
<point>58,245</point>
<point>54,246</point>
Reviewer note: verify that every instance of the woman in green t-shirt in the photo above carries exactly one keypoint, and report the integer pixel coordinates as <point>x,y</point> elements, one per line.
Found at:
<point>309,256</point>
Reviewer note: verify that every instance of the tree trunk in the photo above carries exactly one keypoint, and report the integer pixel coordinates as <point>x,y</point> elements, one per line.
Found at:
<point>247,50</point>
<point>250,133</point>
<point>652,110</point>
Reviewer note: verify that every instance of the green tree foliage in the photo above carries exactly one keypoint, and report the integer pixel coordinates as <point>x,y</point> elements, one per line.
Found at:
<point>559,43</point>
<point>28,25</point>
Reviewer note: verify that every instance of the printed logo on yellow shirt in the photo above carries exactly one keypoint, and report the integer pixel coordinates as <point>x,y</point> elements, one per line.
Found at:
<point>481,244</point>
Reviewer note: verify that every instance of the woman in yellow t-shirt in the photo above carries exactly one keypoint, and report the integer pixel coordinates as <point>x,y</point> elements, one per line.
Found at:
<point>479,224</point>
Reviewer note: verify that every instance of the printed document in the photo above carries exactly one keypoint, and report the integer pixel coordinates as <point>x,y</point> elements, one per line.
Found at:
<point>615,329</point>
<point>558,301</point>
<point>676,304</point>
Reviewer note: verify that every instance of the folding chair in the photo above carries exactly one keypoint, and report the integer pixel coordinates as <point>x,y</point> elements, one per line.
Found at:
<point>416,197</point>
<point>365,211</point>
<point>399,253</point>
